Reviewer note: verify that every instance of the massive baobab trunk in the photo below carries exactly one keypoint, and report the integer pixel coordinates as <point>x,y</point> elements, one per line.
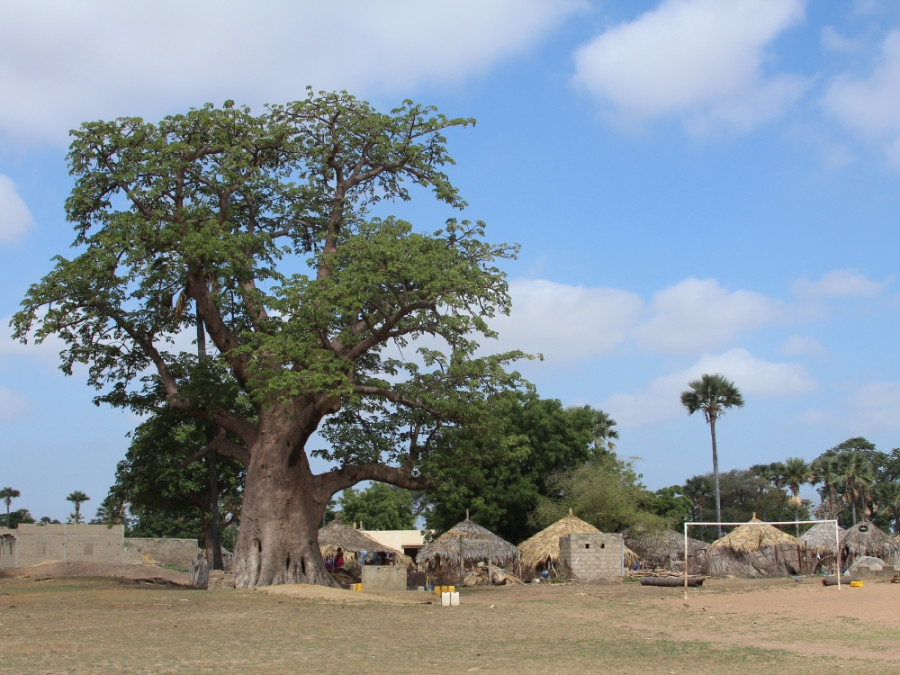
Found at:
<point>278,541</point>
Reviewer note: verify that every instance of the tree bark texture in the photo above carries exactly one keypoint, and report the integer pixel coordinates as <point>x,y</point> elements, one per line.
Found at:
<point>283,508</point>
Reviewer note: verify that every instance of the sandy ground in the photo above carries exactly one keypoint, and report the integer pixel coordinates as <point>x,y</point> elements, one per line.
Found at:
<point>52,621</point>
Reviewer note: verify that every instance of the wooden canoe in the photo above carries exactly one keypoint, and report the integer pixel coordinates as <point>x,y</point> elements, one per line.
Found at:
<point>693,582</point>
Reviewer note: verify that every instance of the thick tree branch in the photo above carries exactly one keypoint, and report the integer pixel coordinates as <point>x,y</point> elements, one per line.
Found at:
<point>340,479</point>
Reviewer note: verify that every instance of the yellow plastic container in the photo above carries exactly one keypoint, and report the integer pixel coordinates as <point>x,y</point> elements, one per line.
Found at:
<point>358,588</point>
<point>856,584</point>
<point>449,589</point>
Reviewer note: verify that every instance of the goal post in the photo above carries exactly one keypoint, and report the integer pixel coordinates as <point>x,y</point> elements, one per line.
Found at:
<point>837,542</point>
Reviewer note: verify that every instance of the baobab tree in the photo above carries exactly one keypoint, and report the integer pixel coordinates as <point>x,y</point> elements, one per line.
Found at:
<point>317,308</point>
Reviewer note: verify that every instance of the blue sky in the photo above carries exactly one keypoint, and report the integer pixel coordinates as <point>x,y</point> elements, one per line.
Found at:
<point>697,186</point>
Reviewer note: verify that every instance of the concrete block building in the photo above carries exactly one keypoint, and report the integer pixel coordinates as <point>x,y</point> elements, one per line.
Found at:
<point>31,544</point>
<point>593,557</point>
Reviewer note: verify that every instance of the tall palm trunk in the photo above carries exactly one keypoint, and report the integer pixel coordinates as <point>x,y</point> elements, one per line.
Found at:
<point>712,431</point>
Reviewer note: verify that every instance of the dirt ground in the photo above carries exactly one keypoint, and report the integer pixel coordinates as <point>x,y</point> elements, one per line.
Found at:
<point>57,570</point>
<point>131,619</point>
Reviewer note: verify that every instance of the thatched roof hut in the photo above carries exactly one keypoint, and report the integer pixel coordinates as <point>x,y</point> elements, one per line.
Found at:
<point>755,549</point>
<point>442,559</point>
<point>665,550</point>
<point>352,541</point>
<point>820,538</point>
<point>541,551</point>
<point>820,546</point>
<point>864,539</point>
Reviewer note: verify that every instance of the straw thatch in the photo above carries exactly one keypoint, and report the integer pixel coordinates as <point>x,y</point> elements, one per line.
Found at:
<point>666,551</point>
<point>820,547</point>
<point>864,539</point>
<point>755,549</point>
<point>441,558</point>
<point>352,541</point>
<point>753,536</point>
<point>541,552</point>
<point>820,538</point>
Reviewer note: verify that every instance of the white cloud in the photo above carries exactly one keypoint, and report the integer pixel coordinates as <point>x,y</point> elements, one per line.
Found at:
<point>13,404</point>
<point>874,407</point>
<point>696,315</point>
<point>63,63</point>
<point>870,106</point>
<point>754,377</point>
<point>567,323</point>
<point>15,217</point>
<point>840,284</point>
<point>698,59</point>
<point>835,42</point>
<point>802,345</point>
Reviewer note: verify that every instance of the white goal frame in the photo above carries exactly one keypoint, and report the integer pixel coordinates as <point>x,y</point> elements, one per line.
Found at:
<point>837,542</point>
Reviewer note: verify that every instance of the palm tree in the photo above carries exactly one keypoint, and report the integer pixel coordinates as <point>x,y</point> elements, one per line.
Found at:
<point>795,473</point>
<point>77,497</point>
<point>7,494</point>
<point>856,476</point>
<point>713,394</point>
<point>888,496</point>
<point>823,469</point>
<point>697,489</point>
<point>603,430</point>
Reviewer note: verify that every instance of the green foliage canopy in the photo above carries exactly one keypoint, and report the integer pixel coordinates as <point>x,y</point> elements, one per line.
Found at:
<point>163,479</point>
<point>378,507</point>
<point>605,492</point>
<point>521,441</point>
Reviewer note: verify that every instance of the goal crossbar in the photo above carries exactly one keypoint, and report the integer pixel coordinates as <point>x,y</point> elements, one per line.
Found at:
<point>837,543</point>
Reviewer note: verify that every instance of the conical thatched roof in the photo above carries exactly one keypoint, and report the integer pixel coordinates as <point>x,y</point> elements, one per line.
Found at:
<point>864,539</point>
<point>543,547</point>
<point>753,536</point>
<point>352,541</point>
<point>755,549</point>
<point>820,538</point>
<point>480,543</point>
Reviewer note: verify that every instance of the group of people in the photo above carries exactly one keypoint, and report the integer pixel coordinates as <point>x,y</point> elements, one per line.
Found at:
<point>365,558</point>
<point>379,558</point>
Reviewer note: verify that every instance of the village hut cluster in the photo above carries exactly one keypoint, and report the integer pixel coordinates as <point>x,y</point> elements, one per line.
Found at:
<point>469,554</point>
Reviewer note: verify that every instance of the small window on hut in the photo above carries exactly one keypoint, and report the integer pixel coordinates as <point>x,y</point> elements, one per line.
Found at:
<point>587,545</point>
<point>602,545</point>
